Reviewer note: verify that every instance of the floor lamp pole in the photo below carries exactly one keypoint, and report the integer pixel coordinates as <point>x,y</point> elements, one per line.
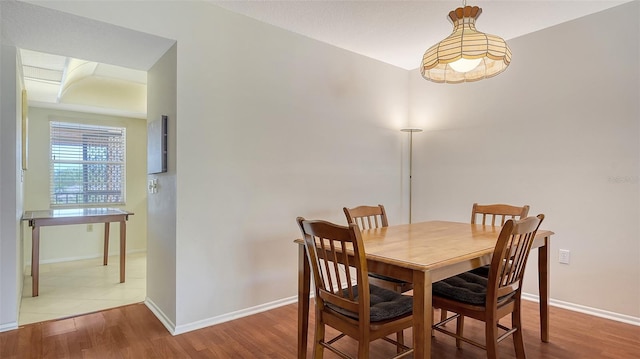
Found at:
<point>411,131</point>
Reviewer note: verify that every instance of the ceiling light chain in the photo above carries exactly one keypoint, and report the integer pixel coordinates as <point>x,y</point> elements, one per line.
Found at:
<point>467,54</point>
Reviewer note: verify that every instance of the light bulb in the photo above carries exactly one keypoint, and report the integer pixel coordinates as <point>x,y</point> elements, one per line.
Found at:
<point>465,65</point>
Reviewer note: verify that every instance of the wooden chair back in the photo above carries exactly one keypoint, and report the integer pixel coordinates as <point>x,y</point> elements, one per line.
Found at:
<point>503,290</point>
<point>343,293</point>
<point>335,274</point>
<point>510,258</point>
<point>490,212</point>
<point>502,212</point>
<point>367,217</point>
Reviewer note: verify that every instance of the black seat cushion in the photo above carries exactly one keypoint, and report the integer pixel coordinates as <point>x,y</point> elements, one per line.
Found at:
<point>385,304</point>
<point>481,271</point>
<point>466,287</point>
<point>384,277</point>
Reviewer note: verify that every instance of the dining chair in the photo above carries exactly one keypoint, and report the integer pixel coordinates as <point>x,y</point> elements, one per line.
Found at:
<point>344,298</point>
<point>488,213</point>
<point>497,211</point>
<point>368,217</point>
<point>489,299</point>
<point>502,212</point>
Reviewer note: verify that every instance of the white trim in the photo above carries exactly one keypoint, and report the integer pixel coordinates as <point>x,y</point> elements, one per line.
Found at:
<point>87,109</point>
<point>160,315</point>
<point>586,310</point>
<point>8,326</point>
<point>81,258</point>
<point>234,315</point>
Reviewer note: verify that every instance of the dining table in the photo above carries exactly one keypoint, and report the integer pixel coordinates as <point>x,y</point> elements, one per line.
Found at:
<point>423,253</point>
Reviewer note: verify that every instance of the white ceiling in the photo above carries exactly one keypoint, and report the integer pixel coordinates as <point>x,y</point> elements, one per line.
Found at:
<point>78,64</point>
<point>398,32</point>
<point>67,83</point>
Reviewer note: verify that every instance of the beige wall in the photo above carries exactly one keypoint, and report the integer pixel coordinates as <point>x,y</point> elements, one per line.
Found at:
<point>61,243</point>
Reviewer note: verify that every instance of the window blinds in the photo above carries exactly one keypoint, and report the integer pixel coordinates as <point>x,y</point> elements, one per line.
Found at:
<point>87,164</point>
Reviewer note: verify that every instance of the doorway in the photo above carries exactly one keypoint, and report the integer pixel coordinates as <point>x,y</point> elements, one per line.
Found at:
<point>56,32</point>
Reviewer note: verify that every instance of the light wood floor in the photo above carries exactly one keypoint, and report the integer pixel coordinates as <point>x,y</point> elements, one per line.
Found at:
<point>84,286</point>
<point>134,332</point>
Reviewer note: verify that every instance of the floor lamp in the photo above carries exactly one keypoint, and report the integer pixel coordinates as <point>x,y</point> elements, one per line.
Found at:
<point>411,130</point>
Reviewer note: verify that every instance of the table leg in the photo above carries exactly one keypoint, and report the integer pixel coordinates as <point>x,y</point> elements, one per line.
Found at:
<point>105,259</point>
<point>543,287</point>
<point>304,284</point>
<point>123,248</point>
<point>422,314</point>
<point>35,260</point>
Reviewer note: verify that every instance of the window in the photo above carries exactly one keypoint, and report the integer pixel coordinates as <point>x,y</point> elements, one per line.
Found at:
<point>87,164</point>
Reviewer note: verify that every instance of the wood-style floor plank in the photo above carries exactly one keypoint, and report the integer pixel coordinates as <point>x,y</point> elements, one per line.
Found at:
<point>134,332</point>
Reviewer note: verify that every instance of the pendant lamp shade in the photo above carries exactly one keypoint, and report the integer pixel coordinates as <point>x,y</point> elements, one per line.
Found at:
<point>466,55</point>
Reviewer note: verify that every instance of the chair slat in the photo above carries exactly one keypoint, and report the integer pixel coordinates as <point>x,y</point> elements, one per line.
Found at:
<point>367,217</point>
<point>370,217</point>
<point>503,211</point>
<point>343,292</point>
<point>503,290</point>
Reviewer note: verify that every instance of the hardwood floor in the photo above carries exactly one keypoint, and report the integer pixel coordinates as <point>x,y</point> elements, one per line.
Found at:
<point>134,332</point>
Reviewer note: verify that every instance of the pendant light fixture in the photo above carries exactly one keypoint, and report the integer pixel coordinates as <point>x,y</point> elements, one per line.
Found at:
<point>466,55</point>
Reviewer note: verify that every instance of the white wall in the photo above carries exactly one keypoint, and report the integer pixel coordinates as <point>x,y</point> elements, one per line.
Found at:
<point>271,125</point>
<point>161,248</point>
<point>558,130</point>
<point>27,26</point>
<point>11,189</point>
<point>61,243</point>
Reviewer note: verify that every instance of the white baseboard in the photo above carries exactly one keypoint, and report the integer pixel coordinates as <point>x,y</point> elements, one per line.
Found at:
<point>586,310</point>
<point>171,327</point>
<point>8,326</point>
<point>233,315</point>
<point>81,258</point>
<point>180,329</point>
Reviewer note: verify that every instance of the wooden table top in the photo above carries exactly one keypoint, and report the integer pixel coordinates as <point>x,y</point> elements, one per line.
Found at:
<point>433,244</point>
<point>72,212</point>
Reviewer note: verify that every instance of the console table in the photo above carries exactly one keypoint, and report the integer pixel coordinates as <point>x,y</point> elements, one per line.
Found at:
<point>59,217</point>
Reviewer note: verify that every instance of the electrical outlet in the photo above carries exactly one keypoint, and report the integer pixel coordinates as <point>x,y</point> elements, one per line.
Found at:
<point>564,256</point>
<point>89,227</point>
